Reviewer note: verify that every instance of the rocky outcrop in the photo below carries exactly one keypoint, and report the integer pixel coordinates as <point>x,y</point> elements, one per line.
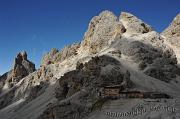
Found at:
<point>172,33</point>
<point>106,28</point>
<point>49,57</point>
<point>5,80</point>
<point>174,28</point>
<point>133,24</point>
<point>102,30</point>
<point>30,87</point>
<point>172,36</point>
<point>55,56</point>
<point>21,68</point>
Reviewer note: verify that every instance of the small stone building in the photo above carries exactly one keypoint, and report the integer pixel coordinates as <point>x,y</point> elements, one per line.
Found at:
<point>116,91</point>
<point>111,91</point>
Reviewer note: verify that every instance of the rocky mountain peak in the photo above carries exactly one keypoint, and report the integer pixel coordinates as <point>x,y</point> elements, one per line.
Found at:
<point>102,30</point>
<point>105,17</point>
<point>134,24</point>
<point>24,55</point>
<point>177,18</point>
<point>106,28</point>
<point>126,15</point>
<point>108,15</point>
<point>22,66</point>
<point>20,57</point>
<point>174,28</point>
<point>172,36</point>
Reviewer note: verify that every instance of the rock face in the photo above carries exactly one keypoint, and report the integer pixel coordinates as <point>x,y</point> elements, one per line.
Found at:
<point>174,28</point>
<point>172,33</point>
<point>58,56</point>
<point>102,30</point>
<point>5,79</point>
<point>49,57</point>
<point>172,36</point>
<point>133,24</point>
<point>22,67</point>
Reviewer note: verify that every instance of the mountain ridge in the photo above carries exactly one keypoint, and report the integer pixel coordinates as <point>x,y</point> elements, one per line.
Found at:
<point>124,51</point>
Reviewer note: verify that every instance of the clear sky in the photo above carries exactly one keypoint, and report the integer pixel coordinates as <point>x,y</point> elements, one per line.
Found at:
<point>36,26</point>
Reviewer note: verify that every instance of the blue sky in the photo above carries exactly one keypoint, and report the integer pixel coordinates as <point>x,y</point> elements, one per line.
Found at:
<point>36,26</point>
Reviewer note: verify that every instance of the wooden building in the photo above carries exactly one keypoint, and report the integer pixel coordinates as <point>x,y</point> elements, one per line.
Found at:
<point>131,94</point>
<point>111,91</point>
<point>116,91</point>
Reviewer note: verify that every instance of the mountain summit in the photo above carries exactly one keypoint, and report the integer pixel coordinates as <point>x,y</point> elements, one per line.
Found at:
<point>122,65</point>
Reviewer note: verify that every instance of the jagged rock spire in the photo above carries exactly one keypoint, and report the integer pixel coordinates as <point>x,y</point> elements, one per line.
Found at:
<point>20,57</point>
<point>22,66</point>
